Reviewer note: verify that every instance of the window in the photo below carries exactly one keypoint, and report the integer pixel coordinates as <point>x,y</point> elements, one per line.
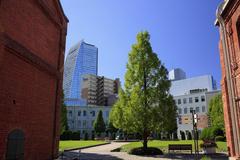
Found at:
<point>191,109</point>
<point>203,98</point>
<point>196,99</point>
<point>185,110</point>
<point>197,110</point>
<point>15,145</point>
<point>184,100</point>
<point>179,101</point>
<point>70,113</point>
<point>84,113</point>
<point>93,113</point>
<point>203,109</point>
<point>190,99</point>
<point>179,110</point>
<point>84,123</point>
<point>79,113</point>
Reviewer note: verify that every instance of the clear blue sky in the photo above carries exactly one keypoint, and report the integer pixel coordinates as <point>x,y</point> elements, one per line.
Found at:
<point>182,32</point>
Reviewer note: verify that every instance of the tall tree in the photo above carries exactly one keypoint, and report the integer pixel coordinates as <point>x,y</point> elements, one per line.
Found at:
<point>99,125</point>
<point>140,106</point>
<point>63,123</point>
<point>215,112</point>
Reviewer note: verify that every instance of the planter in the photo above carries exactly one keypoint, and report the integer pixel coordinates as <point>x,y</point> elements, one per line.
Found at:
<point>209,150</point>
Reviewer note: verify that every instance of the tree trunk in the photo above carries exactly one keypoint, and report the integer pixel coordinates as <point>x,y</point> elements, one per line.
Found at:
<point>145,141</point>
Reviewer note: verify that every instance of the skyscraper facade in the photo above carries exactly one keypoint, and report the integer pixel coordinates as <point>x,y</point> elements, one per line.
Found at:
<point>82,59</point>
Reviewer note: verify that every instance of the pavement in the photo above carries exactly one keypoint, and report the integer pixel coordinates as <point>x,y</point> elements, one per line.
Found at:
<point>104,153</point>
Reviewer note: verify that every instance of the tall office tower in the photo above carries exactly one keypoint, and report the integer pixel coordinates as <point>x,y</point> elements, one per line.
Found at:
<point>82,59</point>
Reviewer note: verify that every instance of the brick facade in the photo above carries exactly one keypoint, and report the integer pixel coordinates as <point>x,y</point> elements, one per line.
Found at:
<point>228,20</point>
<point>32,46</point>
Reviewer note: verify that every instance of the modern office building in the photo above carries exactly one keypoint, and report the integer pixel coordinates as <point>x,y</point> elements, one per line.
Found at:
<point>32,46</point>
<point>228,20</point>
<point>82,59</point>
<point>192,94</point>
<point>82,118</point>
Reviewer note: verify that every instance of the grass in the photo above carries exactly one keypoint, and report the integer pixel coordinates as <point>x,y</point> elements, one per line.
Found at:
<point>63,145</point>
<point>163,145</point>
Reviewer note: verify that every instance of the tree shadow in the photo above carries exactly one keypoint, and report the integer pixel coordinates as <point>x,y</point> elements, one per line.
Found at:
<point>71,155</point>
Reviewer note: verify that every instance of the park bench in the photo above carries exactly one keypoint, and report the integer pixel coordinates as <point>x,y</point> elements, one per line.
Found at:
<point>181,147</point>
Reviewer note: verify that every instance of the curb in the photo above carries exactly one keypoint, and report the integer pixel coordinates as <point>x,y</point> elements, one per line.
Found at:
<point>67,150</point>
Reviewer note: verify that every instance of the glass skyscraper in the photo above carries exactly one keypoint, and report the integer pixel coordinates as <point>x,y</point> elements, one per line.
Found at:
<point>82,59</point>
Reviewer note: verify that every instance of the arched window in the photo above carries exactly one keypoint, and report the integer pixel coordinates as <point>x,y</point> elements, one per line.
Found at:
<point>15,145</point>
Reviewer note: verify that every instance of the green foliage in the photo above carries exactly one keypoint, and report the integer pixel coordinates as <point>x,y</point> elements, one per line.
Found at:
<point>99,125</point>
<point>66,135</point>
<point>205,158</point>
<point>110,128</point>
<point>207,134</point>
<point>215,112</point>
<point>85,136</point>
<point>63,120</point>
<point>220,138</point>
<point>75,135</point>
<point>143,105</point>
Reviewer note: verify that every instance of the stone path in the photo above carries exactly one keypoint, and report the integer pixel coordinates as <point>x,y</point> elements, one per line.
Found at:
<point>104,153</point>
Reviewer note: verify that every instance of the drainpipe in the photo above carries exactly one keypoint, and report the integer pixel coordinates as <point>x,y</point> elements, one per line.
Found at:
<point>230,82</point>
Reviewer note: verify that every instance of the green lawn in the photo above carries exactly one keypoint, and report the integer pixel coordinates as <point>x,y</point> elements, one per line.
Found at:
<point>163,145</point>
<point>63,145</point>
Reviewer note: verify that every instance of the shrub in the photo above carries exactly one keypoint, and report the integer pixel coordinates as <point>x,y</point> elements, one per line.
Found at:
<point>75,135</point>
<point>207,144</point>
<point>207,134</point>
<point>205,158</point>
<point>67,135</point>
<point>220,138</point>
<point>86,136</point>
<point>150,151</point>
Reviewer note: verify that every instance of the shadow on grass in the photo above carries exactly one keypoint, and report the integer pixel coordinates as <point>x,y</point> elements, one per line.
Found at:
<point>70,155</point>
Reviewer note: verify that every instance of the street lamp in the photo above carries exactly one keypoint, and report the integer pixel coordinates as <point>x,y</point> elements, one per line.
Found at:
<point>195,131</point>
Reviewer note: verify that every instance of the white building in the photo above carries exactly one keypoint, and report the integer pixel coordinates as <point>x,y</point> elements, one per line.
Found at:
<point>81,118</point>
<point>192,94</point>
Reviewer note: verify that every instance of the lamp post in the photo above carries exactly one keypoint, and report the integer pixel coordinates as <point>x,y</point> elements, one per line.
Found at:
<point>195,132</point>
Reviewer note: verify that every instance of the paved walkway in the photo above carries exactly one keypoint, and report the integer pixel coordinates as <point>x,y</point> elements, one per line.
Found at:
<point>104,153</point>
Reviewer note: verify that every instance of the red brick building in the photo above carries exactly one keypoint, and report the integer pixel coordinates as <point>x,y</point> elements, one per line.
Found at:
<point>32,46</point>
<point>228,20</point>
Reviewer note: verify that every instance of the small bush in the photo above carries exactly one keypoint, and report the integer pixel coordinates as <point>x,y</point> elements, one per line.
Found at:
<point>67,135</point>
<point>75,135</point>
<point>86,136</point>
<point>150,151</point>
<point>205,158</point>
<point>207,134</point>
<point>220,138</point>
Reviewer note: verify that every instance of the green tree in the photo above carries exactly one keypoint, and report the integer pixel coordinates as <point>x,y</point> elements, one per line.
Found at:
<point>215,112</point>
<point>146,96</point>
<point>99,125</point>
<point>64,124</point>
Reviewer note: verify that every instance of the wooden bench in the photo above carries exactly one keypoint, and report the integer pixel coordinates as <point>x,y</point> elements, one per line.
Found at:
<point>181,147</point>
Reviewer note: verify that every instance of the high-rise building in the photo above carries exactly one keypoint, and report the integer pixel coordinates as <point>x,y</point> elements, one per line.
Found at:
<point>228,20</point>
<point>82,59</point>
<point>99,90</point>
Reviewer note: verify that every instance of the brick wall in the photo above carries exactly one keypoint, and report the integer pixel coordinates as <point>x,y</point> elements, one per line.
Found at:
<point>32,45</point>
<point>231,16</point>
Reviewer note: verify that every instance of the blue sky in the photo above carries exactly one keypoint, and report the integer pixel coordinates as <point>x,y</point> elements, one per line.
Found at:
<point>182,32</point>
